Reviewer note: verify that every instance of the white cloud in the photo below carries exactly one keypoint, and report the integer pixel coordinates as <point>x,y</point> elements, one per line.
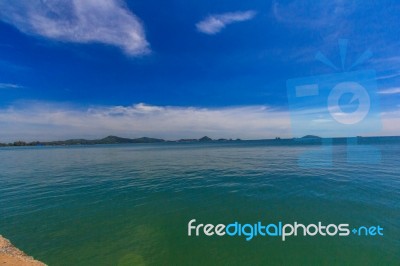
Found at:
<point>80,21</point>
<point>388,76</point>
<point>390,91</point>
<point>10,86</point>
<point>46,121</point>
<point>215,23</point>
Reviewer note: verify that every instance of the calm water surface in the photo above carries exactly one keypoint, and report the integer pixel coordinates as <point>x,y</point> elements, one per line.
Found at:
<point>130,204</point>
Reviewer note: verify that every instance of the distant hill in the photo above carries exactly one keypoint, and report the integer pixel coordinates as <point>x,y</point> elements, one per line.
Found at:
<point>119,140</point>
<point>311,137</point>
<point>308,140</point>
<point>106,140</point>
<point>204,139</point>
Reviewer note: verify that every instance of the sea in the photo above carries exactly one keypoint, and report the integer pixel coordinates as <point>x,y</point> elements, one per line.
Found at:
<point>131,204</point>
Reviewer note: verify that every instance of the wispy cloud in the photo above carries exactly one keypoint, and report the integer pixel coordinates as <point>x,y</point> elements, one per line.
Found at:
<point>43,121</point>
<point>328,18</point>
<point>313,14</point>
<point>215,23</point>
<point>390,91</point>
<point>388,76</point>
<point>80,21</point>
<point>10,86</point>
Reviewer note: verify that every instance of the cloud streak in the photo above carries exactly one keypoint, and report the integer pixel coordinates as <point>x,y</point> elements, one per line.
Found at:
<point>312,14</point>
<point>390,91</point>
<point>10,86</point>
<point>215,23</point>
<point>46,121</point>
<point>78,21</point>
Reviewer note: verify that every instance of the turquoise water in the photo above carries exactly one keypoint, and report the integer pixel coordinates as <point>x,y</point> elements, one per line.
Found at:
<point>130,204</point>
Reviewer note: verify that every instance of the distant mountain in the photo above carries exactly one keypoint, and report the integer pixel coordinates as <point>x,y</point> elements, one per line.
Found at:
<point>308,139</point>
<point>311,137</point>
<point>119,140</point>
<point>205,138</point>
<point>187,140</point>
<point>106,140</point>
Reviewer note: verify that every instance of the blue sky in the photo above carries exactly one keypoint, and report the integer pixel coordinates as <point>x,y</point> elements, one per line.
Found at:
<point>172,69</point>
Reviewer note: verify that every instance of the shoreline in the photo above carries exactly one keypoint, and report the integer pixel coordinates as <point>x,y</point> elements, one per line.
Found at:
<point>10,255</point>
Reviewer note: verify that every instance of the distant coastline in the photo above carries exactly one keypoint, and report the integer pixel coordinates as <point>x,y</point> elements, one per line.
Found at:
<point>308,139</point>
<point>107,140</point>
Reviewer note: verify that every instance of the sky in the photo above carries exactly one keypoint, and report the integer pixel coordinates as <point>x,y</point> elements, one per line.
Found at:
<point>185,69</point>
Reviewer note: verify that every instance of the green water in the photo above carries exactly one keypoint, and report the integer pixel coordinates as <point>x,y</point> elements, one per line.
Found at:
<point>130,205</point>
